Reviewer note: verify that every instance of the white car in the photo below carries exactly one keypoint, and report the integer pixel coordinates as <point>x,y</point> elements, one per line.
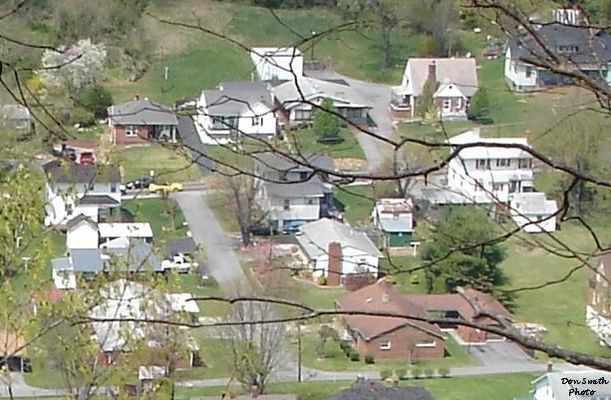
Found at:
<point>180,263</point>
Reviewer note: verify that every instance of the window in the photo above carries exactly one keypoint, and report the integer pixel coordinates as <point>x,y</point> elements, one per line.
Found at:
<point>311,201</point>
<point>426,343</point>
<point>447,103</point>
<point>256,121</point>
<point>482,164</point>
<point>529,71</point>
<point>303,176</point>
<point>568,49</point>
<point>525,163</point>
<point>395,216</point>
<point>287,204</point>
<point>498,187</point>
<point>503,162</point>
<point>131,131</point>
<point>303,115</point>
<point>354,114</point>
<point>113,187</point>
<point>385,345</point>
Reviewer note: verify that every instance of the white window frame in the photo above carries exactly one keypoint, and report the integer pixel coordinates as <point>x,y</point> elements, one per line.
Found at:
<point>385,345</point>
<point>447,104</point>
<point>427,344</point>
<point>257,121</point>
<point>131,131</point>
<point>524,163</point>
<point>503,162</point>
<point>286,204</point>
<point>482,163</point>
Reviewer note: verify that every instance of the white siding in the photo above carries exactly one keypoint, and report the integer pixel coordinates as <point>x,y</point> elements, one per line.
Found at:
<point>266,119</point>
<point>516,73</point>
<point>82,236</point>
<point>600,325</point>
<point>299,209</point>
<point>351,260</point>
<point>283,66</point>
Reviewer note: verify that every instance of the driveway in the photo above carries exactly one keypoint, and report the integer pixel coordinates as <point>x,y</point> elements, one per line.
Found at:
<point>500,353</point>
<point>223,263</point>
<point>190,138</point>
<point>21,389</point>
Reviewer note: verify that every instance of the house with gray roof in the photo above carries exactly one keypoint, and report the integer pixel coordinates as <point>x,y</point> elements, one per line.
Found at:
<point>234,110</point>
<point>573,385</point>
<point>16,117</point>
<point>453,81</point>
<point>142,121</point>
<point>533,212</point>
<point>76,189</point>
<point>294,189</point>
<point>364,389</point>
<point>326,241</point>
<point>296,100</point>
<point>576,47</point>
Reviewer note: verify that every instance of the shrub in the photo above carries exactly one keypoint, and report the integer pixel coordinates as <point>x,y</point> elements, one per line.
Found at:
<point>429,372</point>
<point>81,117</point>
<point>369,359</point>
<point>444,372</point>
<point>96,99</point>
<point>326,125</point>
<point>479,107</point>
<point>414,280</point>
<point>322,281</point>
<point>355,356</point>
<point>416,373</point>
<point>344,345</point>
<point>385,374</point>
<point>401,373</point>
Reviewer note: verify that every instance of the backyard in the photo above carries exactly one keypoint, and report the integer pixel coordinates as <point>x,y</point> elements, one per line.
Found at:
<point>305,141</point>
<point>164,215</point>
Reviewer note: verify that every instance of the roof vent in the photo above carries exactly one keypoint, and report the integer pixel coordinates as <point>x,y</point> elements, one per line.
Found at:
<point>369,300</point>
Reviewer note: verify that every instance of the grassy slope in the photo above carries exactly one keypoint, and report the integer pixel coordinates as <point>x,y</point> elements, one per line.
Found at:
<point>498,387</point>
<point>358,203</point>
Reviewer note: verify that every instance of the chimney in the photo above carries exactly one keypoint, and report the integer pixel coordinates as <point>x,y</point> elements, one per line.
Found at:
<point>254,391</point>
<point>334,269</point>
<point>432,72</point>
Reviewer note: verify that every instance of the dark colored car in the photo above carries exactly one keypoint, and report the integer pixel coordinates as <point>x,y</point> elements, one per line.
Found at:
<point>141,183</point>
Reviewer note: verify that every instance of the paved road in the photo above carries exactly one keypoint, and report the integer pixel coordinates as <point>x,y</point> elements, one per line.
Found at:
<point>378,96</point>
<point>21,389</point>
<point>189,136</point>
<point>497,353</point>
<point>223,263</point>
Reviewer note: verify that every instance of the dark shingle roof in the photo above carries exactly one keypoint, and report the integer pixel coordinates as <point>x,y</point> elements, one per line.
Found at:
<point>271,163</point>
<point>594,47</point>
<point>98,199</point>
<point>59,171</point>
<point>181,246</point>
<point>141,112</point>
<point>311,188</point>
<point>78,219</point>
<point>234,98</point>
<point>372,390</point>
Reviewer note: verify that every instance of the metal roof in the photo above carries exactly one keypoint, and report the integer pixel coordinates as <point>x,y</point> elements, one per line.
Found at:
<point>141,112</point>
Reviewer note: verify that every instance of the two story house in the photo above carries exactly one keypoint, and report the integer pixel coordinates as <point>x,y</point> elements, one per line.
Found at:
<point>73,189</point>
<point>291,193</point>
<point>234,110</point>
<point>394,217</point>
<point>141,121</point>
<point>489,174</point>
<point>453,81</point>
<point>577,48</point>
<point>598,307</point>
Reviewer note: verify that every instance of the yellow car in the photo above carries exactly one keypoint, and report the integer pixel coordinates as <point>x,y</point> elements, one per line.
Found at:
<point>166,187</point>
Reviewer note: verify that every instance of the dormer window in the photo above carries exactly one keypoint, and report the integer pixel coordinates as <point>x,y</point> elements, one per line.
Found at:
<point>568,49</point>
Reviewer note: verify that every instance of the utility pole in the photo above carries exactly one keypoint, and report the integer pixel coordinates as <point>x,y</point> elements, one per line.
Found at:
<point>313,34</point>
<point>298,352</point>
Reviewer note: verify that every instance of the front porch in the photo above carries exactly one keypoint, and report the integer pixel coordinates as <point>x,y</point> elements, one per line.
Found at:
<point>402,104</point>
<point>162,133</point>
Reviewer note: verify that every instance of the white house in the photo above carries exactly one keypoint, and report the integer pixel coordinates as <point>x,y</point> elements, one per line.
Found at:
<point>327,239</point>
<point>453,80</point>
<point>394,217</point>
<point>236,109</point>
<point>598,306</point>
<point>303,198</point>
<point>82,233</point>
<point>277,63</point>
<point>489,174</point>
<point>74,189</point>
<point>533,212</point>
<point>131,230</point>
<point>294,100</point>
<point>573,385</point>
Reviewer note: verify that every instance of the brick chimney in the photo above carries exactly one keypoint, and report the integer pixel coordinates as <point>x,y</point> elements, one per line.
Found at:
<point>334,271</point>
<point>432,72</point>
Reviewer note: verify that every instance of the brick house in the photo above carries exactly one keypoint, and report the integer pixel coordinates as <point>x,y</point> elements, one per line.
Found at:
<point>389,337</point>
<point>141,121</point>
<point>598,307</point>
<point>466,304</point>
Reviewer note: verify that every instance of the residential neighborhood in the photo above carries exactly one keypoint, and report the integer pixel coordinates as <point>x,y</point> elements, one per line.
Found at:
<point>305,200</point>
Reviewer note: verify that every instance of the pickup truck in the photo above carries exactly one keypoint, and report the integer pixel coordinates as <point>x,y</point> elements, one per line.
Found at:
<point>180,263</point>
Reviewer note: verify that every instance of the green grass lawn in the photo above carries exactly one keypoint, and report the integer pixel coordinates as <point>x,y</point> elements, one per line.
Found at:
<point>336,360</point>
<point>357,202</point>
<point>305,140</point>
<point>498,387</point>
<point>215,354</point>
<point>191,283</point>
<point>218,203</point>
<point>164,215</point>
<point>169,164</point>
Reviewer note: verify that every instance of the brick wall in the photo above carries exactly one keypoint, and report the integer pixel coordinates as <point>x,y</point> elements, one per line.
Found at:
<point>334,273</point>
<point>403,342</point>
<point>119,136</point>
<point>454,105</point>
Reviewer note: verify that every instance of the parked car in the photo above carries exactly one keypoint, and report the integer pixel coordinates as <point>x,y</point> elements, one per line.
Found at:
<point>180,263</point>
<point>86,158</point>
<point>140,183</point>
<point>165,187</point>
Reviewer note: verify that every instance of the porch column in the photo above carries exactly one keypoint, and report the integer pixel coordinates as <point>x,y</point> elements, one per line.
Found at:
<point>173,134</point>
